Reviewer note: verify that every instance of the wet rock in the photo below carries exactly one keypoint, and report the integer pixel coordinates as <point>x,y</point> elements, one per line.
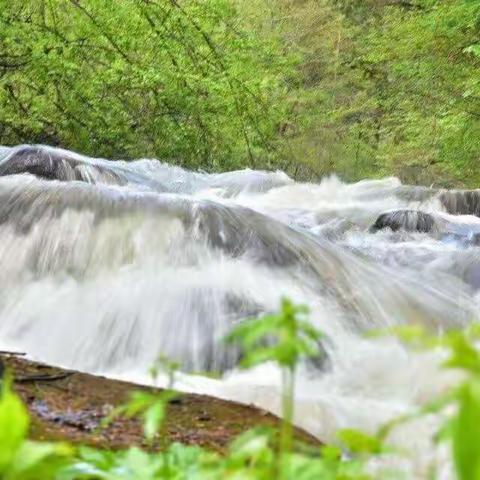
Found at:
<point>461,202</point>
<point>408,220</point>
<point>85,420</point>
<point>43,162</point>
<point>50,163</point>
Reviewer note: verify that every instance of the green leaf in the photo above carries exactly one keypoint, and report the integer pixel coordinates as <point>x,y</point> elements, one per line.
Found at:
<point>359,442</point>
<point>153,418</point>
<point>283,338</point>
<point>32,458</point>
<point>466,432</point>
<point>473,49</point>
<point>464,354</point>
<point>14,423</point>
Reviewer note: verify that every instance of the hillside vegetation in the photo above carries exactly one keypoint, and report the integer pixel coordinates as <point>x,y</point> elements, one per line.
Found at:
<point>357,87</point>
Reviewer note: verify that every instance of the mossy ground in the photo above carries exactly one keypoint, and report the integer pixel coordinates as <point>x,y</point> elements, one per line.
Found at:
<point>72,409</point>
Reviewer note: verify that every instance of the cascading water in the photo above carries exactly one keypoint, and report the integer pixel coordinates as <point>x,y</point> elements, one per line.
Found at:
<point>106,265</point>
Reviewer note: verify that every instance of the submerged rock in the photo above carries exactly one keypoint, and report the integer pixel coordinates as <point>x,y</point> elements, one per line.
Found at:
<point>50,163</point>
<point>461,202</point>
<point>408,220</point>
<point>44,162</point>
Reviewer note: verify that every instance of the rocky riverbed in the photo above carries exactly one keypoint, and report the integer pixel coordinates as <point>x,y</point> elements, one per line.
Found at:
<point>71,405</point>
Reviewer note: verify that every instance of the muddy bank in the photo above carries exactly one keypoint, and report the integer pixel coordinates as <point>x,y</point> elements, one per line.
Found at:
<point>70,405</point>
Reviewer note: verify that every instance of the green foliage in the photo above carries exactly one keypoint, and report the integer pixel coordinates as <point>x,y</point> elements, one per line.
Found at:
<point>283,338</point>
<point>13,426</point>
<point>463,428</point>
<point>466,431</point>
<point>384,87</point>
<point>179,80</point>
<point>359,442</point>
<point>151,407</point>
<point>360,88</point>
<point>252,455</point>
<point>255,454</point>
<point>21,459</point>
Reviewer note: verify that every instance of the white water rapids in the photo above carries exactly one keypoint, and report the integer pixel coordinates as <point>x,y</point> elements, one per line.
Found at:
<point>106,265</point>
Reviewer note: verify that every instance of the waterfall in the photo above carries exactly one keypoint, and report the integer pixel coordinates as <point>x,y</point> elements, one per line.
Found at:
<point>108,264</point>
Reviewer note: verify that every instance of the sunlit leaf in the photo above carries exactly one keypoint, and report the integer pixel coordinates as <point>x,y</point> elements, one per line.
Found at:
<point>466,432</point>
<point>359,442</point>
<point>14,423</point>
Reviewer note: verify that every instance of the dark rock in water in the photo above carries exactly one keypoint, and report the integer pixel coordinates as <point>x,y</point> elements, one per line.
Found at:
<point>56,164</point>
<point>43,162</point>
<point>240,231</point>
<point>456,202</point>
<point>461,202</point>
<point>408,220</point>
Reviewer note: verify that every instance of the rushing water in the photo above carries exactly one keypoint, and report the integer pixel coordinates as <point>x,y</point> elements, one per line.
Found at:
<point>106,265</point>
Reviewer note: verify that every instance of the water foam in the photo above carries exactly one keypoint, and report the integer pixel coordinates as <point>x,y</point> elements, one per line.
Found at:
<point>106,265</point>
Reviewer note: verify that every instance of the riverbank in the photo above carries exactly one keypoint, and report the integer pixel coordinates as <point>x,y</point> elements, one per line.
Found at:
<point>70,405</point>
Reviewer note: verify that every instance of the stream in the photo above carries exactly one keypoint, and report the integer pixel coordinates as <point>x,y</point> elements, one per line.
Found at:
<point>108,264</point>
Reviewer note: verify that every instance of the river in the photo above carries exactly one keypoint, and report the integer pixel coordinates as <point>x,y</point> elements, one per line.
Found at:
<point>106,265</point>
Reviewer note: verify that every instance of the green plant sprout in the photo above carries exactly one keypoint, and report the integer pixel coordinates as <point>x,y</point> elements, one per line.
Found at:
<point>285,339</point>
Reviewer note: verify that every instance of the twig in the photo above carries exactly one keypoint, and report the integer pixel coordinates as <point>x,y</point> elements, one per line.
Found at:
<point>43,378</point>
<point>6,352</point>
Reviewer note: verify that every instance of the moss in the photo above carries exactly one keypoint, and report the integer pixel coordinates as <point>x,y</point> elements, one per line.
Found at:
<point>72,409</point>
